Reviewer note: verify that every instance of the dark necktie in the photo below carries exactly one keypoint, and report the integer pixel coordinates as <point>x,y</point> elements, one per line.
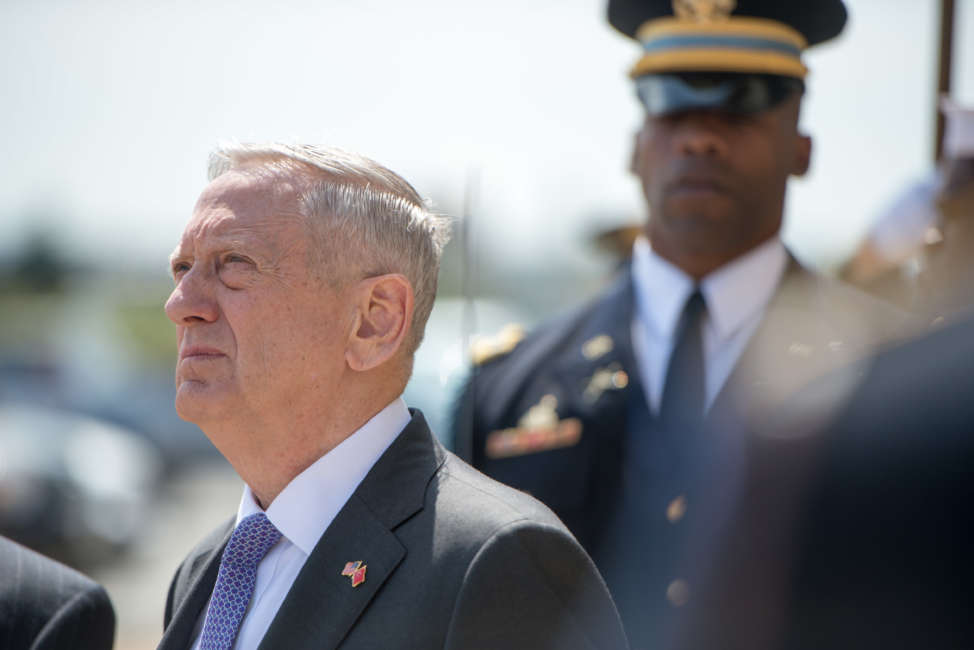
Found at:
<point>684,393</point>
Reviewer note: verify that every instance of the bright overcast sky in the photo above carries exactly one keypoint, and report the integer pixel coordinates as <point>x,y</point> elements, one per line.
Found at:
<point>110,108</point>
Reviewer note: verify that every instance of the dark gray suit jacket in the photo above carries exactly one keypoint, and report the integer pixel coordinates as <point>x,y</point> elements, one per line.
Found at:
<point>455,560</point>
<point>45,605</point>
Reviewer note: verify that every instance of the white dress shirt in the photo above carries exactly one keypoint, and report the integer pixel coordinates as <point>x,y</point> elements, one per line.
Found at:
<point>304,510</point>
<point>736,294</point>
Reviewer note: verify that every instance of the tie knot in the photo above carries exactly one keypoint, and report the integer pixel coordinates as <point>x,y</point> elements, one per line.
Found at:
<point>252,538</point>
<point>695,305</point>
<point>694,310</point>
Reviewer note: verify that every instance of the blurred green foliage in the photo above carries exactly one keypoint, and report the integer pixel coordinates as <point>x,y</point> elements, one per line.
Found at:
<point>29,320</point>
<point>147,331</point>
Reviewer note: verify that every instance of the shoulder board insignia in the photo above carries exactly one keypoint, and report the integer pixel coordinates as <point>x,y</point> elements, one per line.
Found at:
<point>486,348</point>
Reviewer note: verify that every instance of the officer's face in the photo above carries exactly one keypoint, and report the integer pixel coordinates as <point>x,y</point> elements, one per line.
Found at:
<point>715,181</point>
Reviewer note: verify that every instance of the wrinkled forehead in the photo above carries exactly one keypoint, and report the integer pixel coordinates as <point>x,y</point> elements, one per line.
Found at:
<point>252,190</point>
<point>243,204</point>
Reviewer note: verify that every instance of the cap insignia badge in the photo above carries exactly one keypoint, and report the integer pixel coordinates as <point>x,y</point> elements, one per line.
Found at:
<point>355,571</point>
<point>703,10</point>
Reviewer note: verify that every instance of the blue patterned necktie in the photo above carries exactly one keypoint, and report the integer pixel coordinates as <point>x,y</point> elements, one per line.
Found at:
<point>248,545</point>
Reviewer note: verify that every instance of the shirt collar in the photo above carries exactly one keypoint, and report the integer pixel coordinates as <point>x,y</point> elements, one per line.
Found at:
<point>734,292</point>
<point>744,286</point>
<point>661,289</point>
<point>307,505</point>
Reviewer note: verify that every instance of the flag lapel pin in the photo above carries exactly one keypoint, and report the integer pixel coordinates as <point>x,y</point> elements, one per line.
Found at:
<point>355,571</point>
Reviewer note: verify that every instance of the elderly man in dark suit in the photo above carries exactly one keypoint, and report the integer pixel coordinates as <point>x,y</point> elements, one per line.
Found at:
<point>622,414</point>
<point>303,283</point>
<point>45,605</point>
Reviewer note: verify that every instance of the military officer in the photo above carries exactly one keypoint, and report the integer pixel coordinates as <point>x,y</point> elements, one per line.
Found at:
<point>622,414</point>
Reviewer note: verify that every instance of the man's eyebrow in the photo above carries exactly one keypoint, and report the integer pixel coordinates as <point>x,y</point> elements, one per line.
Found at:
<point>226,242</point>
<point>180,253</point>
<point>173,257</point>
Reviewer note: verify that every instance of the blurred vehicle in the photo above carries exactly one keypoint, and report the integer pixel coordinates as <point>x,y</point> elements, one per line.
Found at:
<point>71,486</point>
<point>141,402</point>
<point>144,404</point>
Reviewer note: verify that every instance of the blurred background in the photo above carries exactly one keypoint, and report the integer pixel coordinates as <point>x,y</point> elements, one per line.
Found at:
<point>516,116</point>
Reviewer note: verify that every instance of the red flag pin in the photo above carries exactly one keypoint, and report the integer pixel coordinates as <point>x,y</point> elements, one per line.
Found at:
<point>355,571</point>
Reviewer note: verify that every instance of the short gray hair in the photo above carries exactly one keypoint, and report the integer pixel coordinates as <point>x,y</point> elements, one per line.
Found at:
<point>367,217</point>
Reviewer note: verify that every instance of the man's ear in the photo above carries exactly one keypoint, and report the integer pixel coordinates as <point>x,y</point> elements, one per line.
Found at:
<point>384,307</point>
<point>803,155</point>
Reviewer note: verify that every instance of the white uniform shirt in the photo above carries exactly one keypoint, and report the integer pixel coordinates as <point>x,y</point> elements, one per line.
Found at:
<point>304,510</point>
<point>737,295</point>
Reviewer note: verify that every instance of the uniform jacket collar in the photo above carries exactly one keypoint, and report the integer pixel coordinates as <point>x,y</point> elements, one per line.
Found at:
<point>810,326</point>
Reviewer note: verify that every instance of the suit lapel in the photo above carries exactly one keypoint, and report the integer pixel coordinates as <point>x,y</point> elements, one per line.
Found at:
<point>323,605</point>
<point>202,577</point>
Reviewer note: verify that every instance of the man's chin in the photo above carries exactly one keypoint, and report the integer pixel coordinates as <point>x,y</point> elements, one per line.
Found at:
<point>199,402</point>
<point>699,211</point>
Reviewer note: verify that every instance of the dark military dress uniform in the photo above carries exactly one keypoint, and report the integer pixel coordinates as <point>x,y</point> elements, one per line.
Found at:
<point>563,416</point>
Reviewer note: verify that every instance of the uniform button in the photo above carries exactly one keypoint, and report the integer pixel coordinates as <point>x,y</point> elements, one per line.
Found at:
<point>678,593</point>
<point>676,509</point>
<point>620,379</point>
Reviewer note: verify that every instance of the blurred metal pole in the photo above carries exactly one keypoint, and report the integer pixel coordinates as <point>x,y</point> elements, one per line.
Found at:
<point>945,67</point>
<point>468,267</point>
<point>463,410</point>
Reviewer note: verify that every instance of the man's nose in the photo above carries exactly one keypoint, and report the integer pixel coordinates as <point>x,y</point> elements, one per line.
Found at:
<point>700,134</point>
<point>192,300</point>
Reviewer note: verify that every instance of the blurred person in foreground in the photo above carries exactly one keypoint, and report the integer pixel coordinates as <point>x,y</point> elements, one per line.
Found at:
<point>852,527</point>
<point>45,605</point>
<point>622,415</point>
<point>920,253</point>
<point>303,283</point>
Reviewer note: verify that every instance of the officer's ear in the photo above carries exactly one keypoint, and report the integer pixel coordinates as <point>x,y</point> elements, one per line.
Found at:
<point>803,155</point>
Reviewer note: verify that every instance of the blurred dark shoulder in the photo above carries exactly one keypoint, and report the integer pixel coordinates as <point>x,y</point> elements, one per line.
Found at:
<point>853,523</point>
<point>908,391</point>
<point>46,605</point>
